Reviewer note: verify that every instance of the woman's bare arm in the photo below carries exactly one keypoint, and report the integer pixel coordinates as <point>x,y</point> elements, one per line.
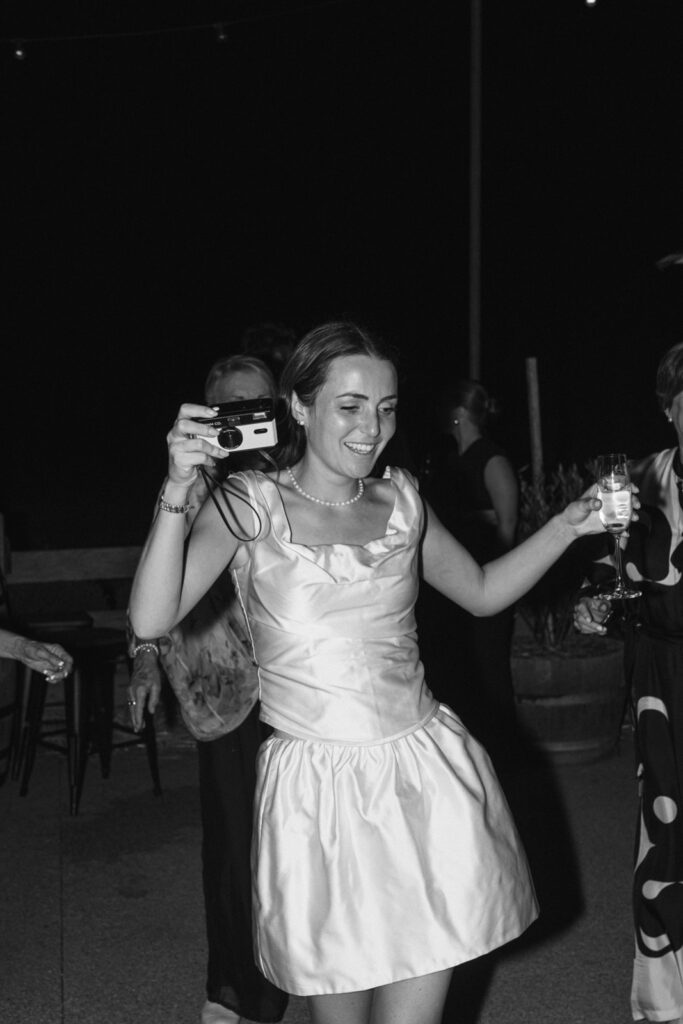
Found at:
<point>486,590</point>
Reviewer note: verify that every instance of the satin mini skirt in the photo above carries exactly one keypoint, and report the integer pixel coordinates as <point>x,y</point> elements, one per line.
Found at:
<point>377,862</point>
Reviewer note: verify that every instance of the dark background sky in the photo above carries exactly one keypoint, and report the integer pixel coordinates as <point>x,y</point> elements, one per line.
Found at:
<point>165,190</point>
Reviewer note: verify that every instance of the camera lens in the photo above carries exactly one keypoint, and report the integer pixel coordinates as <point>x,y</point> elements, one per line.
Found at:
<point>230,437</point>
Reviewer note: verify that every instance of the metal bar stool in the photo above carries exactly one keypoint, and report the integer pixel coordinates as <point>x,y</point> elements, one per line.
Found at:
<point>89,722</point>
<point>42,627</point>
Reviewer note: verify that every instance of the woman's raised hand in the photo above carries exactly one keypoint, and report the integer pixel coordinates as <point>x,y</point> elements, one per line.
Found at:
<point>583,516</point>
<point>186,450</point>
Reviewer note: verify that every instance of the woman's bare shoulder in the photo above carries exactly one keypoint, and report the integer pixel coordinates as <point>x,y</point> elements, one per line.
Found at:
<point>248,481</point>
<point>397,475</point>
<point>378,488</point>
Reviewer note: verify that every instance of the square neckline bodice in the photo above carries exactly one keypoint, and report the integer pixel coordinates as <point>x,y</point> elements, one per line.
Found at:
<point>281,519</point>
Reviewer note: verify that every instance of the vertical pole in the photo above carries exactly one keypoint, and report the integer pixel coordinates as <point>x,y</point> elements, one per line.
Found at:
<point>4,560</point>
<point>475,188</point>
<point>534,419</point>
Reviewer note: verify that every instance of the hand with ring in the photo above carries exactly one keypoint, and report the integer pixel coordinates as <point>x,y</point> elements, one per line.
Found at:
<point>145,687</point>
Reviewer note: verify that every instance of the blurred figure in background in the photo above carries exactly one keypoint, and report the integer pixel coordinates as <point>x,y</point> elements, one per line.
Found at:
<point>474,490</point>
<point>208,661</point>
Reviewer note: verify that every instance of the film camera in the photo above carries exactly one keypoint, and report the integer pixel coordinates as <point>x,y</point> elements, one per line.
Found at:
<point>243,425</point>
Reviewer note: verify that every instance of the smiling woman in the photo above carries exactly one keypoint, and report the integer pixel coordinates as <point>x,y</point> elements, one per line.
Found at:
<point>342,427</point>
<point>308,374</point>
<point>367,784</point>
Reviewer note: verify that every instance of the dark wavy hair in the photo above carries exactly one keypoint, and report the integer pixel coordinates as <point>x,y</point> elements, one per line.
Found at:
<point>669,381</point>
<point>307,370</point>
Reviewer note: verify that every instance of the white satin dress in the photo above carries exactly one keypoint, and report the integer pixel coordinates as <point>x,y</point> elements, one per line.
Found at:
<point>383,846</point>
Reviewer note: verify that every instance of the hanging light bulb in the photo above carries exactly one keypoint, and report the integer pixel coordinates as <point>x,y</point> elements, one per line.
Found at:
<point>18,49</point>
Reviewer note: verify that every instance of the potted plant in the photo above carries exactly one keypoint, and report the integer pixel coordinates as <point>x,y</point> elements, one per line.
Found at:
<point>569,688</point>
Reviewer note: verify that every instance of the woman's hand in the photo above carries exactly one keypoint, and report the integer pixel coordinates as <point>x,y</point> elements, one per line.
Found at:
<point>591,614</point>
<point>583,516</point>
<point>187,451</point>
<point>145,687</point>
<point>50,659</point>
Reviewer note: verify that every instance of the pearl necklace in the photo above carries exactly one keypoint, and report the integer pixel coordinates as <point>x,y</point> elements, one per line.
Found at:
<point>320,501</point>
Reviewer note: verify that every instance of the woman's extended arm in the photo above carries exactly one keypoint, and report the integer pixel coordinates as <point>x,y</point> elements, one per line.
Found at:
<point>487,590</point>
<point>501,483</point>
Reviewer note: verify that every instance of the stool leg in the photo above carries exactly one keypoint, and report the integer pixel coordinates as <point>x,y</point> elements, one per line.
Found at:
<point>20,725</point>
<point>102,682</point>
<point>34,713</point>
<point>72,714</point>
<point>78,739</point>
<point>150,737</point>
<point>11,712</point>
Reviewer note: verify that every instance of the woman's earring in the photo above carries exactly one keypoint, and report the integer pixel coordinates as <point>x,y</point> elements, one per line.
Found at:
<point>669,420</point>
<point>456,422</point>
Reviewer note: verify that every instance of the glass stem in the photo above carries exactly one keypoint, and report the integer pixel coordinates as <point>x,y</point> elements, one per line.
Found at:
<point>617,559</point>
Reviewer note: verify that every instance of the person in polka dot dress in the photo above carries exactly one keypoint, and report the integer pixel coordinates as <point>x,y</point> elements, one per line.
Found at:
<point>653,662</point>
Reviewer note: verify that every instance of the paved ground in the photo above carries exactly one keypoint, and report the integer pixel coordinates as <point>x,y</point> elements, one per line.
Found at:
<point>102,913</point>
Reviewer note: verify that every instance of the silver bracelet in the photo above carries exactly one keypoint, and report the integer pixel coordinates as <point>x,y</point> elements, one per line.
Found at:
<point>146,645</point>
<point>166,506</point>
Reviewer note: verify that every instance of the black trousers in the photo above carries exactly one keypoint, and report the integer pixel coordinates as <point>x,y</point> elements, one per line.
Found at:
<point>227,778</point>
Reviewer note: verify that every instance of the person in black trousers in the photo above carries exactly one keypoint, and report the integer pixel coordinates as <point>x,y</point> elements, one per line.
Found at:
<point>208,661</point>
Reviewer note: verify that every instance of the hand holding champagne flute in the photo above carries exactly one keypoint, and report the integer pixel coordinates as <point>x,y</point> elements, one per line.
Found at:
<point>615,493</point>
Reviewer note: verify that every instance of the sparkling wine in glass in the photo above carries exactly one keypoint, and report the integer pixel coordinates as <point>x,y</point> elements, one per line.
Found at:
<point>614,491</point>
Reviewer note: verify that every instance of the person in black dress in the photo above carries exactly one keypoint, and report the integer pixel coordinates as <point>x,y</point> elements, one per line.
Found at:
<point>473,489</point>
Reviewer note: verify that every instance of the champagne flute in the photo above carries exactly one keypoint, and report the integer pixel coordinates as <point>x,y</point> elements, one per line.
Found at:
<point>614,491</point>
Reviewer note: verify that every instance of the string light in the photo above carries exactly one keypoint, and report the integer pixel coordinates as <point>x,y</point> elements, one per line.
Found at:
<point>671,260</point>
<point>220,28</point>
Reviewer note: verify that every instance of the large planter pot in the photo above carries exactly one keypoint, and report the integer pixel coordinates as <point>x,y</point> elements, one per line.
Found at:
<point>570,704</point>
